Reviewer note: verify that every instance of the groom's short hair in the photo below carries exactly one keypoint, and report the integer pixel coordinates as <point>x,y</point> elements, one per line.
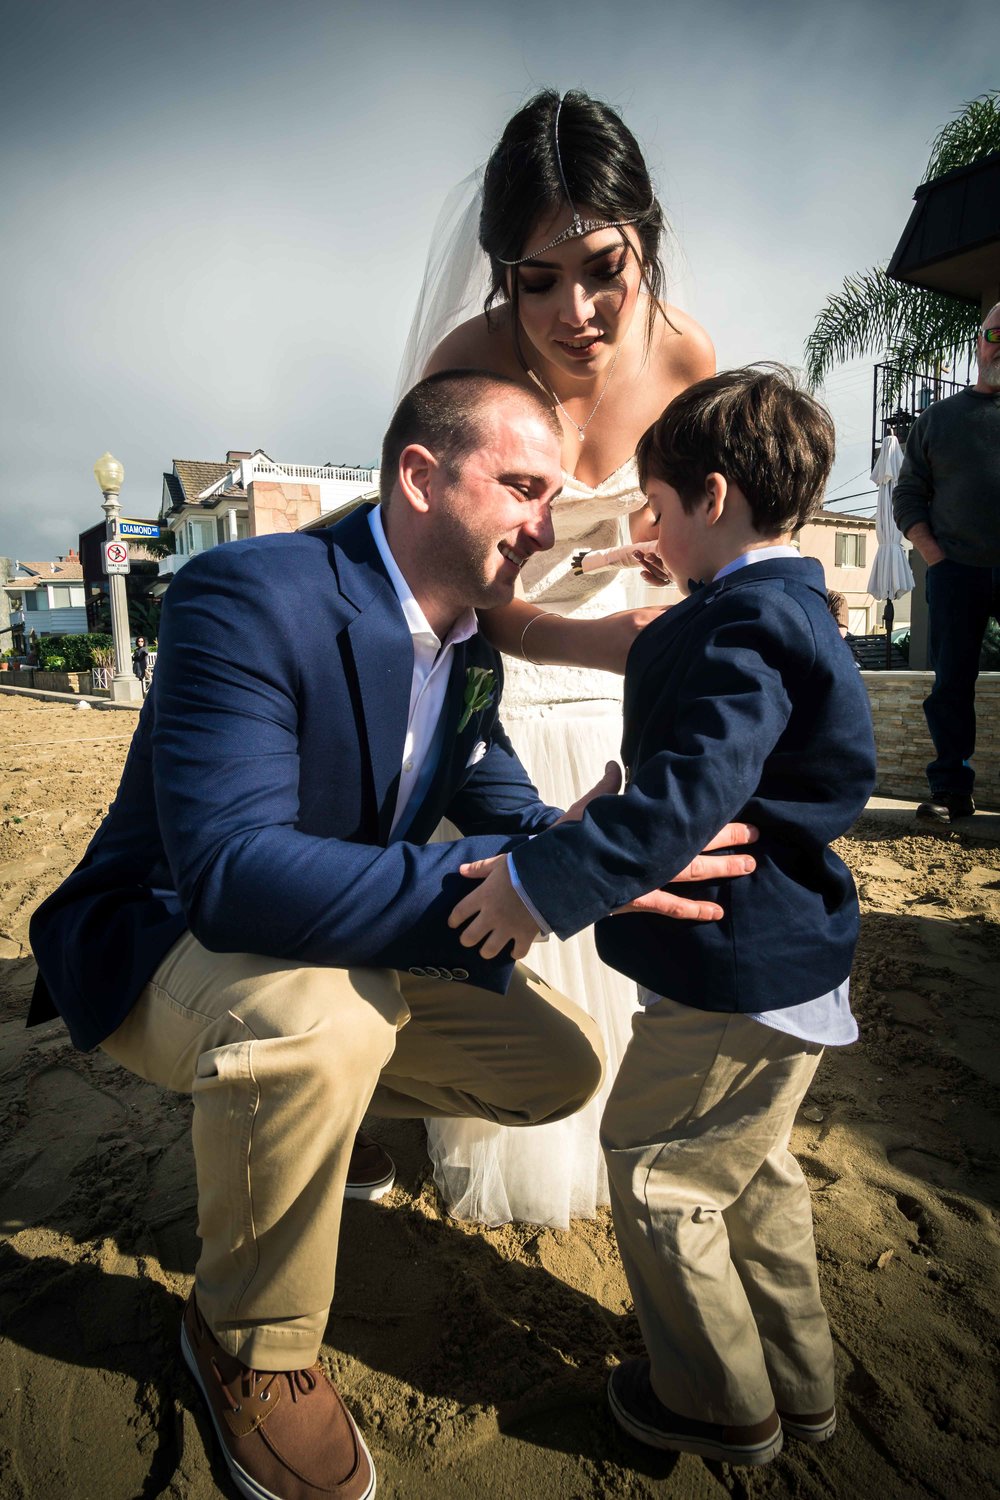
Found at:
<point>446,414</point>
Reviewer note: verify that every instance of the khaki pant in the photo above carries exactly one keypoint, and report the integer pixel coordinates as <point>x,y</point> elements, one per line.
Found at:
<point>282,1062</point>
<point>713,1217</point>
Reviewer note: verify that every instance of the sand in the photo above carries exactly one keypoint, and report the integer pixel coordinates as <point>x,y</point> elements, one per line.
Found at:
<point>475,1360</point>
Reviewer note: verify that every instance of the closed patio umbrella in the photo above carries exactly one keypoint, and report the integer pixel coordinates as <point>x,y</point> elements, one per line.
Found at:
<point>891,575</point>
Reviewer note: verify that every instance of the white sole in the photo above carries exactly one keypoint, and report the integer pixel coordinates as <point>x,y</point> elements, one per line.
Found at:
<point>821,1434</point>
<point>370,1191</point>
<point>655,1437</point>
<point>243,1481</point>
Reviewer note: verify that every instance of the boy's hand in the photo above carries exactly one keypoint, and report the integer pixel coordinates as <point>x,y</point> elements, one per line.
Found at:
<point>498,914</point>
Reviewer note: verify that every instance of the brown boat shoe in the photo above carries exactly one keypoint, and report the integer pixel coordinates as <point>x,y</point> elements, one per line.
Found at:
<point>285,1435</point>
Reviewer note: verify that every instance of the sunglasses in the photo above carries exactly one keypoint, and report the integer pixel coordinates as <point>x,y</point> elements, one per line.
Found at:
<point>992,335</point>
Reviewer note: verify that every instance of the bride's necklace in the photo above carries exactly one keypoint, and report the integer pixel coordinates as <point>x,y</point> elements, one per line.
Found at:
<point>581,429</point>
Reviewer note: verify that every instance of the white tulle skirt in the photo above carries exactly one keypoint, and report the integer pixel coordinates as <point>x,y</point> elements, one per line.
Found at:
<point>547,1174</point>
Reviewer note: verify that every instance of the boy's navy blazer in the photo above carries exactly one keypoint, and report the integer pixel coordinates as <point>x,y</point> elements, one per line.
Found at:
<point>742,702</point>
<point>257,797</point>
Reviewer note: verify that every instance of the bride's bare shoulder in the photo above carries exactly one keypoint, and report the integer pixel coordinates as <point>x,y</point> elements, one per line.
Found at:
<point>480,344</point>
<point>685,351</point>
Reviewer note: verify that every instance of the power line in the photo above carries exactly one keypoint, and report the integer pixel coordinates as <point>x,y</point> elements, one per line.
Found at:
<point>849,481</point>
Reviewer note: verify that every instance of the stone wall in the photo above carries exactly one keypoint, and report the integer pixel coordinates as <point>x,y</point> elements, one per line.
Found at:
<point>904,746</point>
<point>56,682</point>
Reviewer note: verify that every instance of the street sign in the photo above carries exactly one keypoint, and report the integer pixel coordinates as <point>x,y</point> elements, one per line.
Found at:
<point>138,528</point>
<point>116,557</point>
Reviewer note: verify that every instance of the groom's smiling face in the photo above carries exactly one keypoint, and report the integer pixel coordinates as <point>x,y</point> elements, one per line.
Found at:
<point>494,511</point>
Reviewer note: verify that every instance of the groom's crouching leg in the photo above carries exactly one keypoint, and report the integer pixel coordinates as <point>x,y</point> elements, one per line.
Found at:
<point>281,1061</point>
<point>524,1058</point>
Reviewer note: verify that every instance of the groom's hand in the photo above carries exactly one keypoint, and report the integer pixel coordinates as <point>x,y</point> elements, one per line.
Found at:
<point>497,916</point>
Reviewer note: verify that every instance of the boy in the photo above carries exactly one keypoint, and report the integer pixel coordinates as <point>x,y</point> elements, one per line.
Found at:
<point>740,703</point>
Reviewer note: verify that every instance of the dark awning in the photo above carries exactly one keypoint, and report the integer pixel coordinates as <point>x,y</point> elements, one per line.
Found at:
<point>952,240</point>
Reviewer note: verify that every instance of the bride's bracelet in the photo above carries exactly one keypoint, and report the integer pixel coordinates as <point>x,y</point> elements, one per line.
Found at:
<point>524,655</point>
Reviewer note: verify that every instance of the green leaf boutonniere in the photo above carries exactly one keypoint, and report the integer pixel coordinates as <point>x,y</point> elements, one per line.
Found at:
<point>479,689</point>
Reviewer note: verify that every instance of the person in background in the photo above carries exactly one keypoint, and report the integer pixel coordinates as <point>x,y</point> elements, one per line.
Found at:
<point>140,662</point>
<point>947,503</point>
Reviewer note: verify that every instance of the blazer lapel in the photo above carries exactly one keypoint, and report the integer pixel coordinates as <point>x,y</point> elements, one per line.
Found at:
<point>383,658</point>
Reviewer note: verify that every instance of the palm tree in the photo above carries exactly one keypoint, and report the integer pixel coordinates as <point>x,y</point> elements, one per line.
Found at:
<point>913,328</point>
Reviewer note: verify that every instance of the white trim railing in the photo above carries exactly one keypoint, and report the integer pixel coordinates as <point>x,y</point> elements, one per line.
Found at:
<point>259,468</point>
<point>100,677</point>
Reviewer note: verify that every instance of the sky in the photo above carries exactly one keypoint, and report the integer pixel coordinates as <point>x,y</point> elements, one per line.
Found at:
<point>216,214</point>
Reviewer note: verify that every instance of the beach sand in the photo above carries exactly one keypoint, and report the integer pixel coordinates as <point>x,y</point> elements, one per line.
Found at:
<point>475,1360</point>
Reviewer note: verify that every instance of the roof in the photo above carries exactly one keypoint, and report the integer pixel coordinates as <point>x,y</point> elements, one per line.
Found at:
<point>951,242</point>
<point>52,572</point>
<point>197,475</point>
<point>838,518</point>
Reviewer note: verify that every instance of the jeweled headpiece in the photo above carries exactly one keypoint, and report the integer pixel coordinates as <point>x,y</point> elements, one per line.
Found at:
<point>580,226</point>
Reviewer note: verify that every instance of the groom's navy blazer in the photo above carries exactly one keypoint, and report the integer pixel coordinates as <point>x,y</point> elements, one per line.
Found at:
<point>259,790</point>
<point>742,702</point>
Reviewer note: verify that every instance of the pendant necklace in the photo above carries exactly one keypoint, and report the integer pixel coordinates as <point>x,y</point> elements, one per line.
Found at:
<point>581,429</point>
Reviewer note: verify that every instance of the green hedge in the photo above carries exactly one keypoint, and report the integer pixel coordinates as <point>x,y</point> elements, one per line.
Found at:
<point>71,653</point>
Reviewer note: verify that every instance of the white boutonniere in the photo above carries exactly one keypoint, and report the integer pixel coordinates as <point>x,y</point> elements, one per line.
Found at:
<point>479,690</point>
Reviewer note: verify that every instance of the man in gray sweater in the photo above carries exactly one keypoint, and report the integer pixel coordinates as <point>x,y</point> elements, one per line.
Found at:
<point>947,502</point>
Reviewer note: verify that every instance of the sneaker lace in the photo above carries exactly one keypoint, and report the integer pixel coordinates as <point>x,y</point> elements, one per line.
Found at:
<point>300,1383</point>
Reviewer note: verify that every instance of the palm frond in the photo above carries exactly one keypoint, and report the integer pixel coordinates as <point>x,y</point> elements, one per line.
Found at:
<point>905,325</point>
<point>971,135</point>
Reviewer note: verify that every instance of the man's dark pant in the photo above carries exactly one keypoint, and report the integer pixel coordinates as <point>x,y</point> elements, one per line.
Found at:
<point>960,600</point>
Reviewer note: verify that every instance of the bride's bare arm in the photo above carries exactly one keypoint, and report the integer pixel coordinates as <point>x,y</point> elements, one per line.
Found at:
<point>522,629</point>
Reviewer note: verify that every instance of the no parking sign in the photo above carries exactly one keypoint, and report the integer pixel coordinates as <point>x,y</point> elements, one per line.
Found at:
<point>116,557</point>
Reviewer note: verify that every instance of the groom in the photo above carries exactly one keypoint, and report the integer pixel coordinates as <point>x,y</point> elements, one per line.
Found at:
<point>259,922</point>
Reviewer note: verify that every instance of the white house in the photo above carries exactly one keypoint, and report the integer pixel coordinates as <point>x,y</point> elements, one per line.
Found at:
<point>48,598</point>
<point>251,494</point>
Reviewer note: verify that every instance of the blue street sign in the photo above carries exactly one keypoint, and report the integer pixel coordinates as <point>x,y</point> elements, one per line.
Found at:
<point>138,528</point>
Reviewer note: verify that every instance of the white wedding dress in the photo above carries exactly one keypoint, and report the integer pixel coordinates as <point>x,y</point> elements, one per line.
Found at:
<point>565,724</point>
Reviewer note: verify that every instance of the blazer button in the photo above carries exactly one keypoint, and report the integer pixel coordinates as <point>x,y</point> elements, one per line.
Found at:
<point>459,973</point>
<point>432,973</point>
<point>420,973</point>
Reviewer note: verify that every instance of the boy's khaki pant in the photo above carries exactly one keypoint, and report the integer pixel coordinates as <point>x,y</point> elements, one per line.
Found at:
<point>283,1061</point>
<point>712,1214</point>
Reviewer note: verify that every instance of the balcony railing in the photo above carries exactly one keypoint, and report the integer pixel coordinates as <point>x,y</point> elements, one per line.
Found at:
<point>262,467</point>
<point>899,396</point>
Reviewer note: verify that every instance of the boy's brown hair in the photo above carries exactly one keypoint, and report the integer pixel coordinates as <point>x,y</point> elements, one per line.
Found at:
<point>756,428</point>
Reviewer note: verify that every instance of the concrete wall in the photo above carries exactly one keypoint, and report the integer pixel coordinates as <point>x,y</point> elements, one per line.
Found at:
<point>904,746</point>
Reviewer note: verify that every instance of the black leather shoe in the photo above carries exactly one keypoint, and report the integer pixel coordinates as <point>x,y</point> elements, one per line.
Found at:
<point>945,807</point>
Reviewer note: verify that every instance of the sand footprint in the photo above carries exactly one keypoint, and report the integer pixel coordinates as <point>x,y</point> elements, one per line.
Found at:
<point>66,1115</point>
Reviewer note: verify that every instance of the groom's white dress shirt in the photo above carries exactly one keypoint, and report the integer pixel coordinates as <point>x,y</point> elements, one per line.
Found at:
<point>431,670</point>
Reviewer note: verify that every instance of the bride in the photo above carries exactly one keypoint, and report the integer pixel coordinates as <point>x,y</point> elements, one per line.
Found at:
<point>568,230</point>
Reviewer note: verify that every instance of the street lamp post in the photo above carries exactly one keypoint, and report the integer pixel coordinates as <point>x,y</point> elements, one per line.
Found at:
<point>125,686</point>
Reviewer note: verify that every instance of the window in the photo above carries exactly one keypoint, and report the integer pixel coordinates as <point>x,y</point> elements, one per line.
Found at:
<point>35,599</point>
<point>200,535</point>
<point>850,549</point>
<point>62,596</point>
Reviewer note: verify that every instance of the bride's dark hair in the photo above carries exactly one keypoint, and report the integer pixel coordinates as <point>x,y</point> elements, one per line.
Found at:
<point>605,174</point>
